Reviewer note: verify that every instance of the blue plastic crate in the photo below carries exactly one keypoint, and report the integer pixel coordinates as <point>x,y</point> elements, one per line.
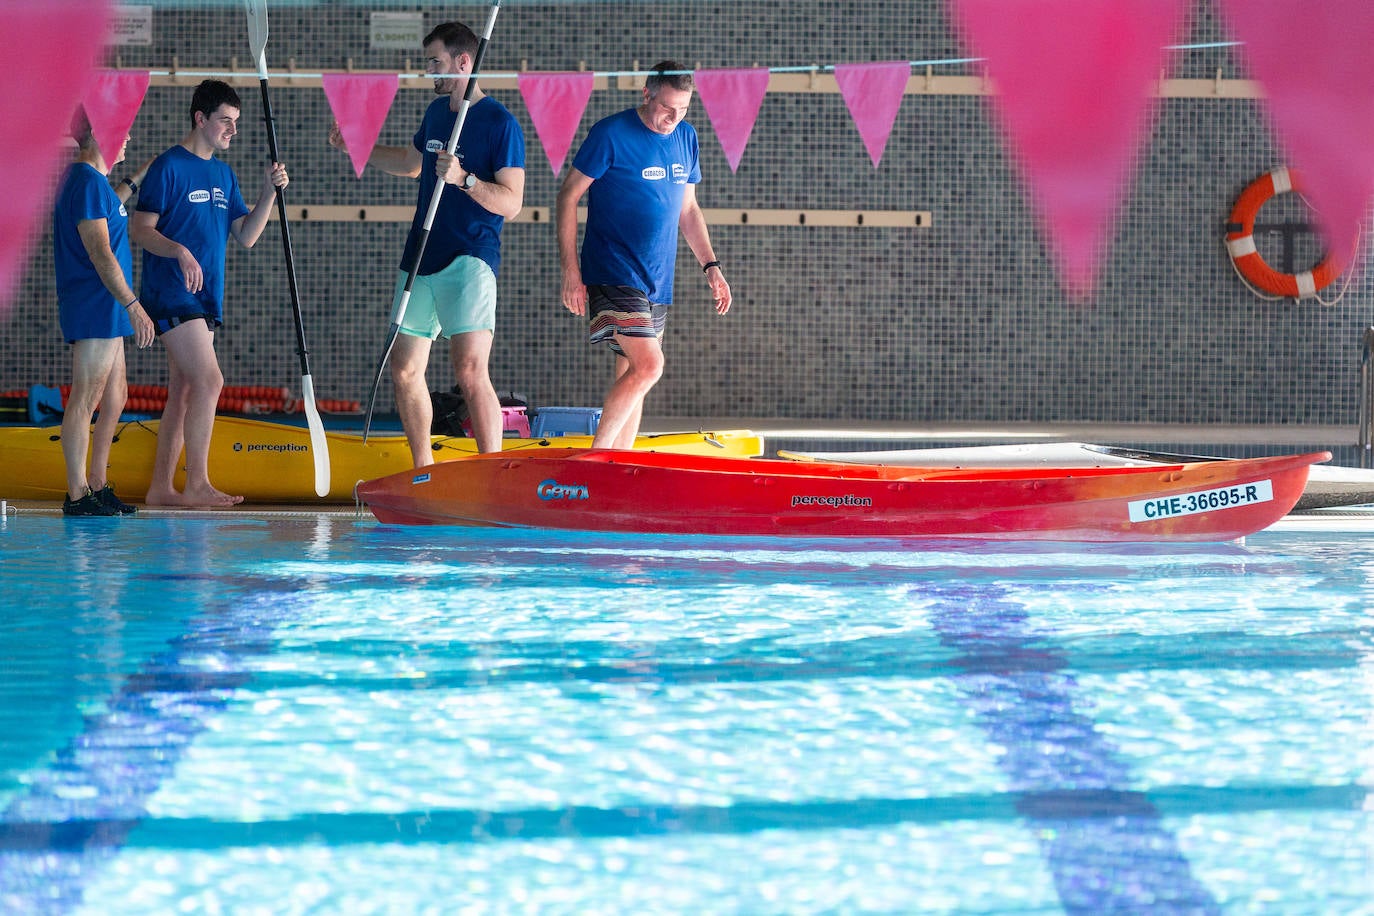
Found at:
<point>565,421</point>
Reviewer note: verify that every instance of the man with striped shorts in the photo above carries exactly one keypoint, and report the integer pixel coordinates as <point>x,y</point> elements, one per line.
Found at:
<point>640,169</point>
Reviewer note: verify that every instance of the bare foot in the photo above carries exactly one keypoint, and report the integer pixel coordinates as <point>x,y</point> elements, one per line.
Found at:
<point>207,497</point>
<point>160,497</point>
<point>193,498</point>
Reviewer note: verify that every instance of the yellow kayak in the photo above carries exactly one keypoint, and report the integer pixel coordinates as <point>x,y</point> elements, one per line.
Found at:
<point>271,462</point>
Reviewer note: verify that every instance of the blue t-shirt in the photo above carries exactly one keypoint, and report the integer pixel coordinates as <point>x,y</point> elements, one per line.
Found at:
<point>639,178</point>
<point>492,140</point>
<point>86,309</point>
<point>197,201</point>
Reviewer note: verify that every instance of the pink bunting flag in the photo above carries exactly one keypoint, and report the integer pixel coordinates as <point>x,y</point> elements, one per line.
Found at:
<point>555,102</point>
<point>38,115</point>
<point>873,93</point>
<point>112,102</point>
<point>360,102</point>
<point>1074,87</point>
<point>732,99</point>
<point>1318,75</point>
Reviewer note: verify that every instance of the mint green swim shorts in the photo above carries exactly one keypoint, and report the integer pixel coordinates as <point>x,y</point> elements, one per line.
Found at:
<point>458,299</point>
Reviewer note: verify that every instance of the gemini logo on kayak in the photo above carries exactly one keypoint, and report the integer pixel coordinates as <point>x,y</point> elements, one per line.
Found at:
<point>552,489</point>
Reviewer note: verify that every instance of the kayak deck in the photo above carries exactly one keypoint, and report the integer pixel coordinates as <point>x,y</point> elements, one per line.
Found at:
<point>1327,486</point>
<point>659,492</point>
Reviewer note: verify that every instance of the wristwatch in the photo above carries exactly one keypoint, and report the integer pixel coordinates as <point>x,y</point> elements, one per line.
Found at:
<point>469,182</point>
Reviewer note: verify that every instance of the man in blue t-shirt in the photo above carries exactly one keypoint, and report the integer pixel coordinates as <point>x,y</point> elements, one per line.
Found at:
<point>454,291</point>
<point>641,168</point>
<point>189,207</point>
<point>97,309</point>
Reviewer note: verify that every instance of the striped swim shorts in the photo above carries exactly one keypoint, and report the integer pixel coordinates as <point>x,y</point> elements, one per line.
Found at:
<point>623,310</point>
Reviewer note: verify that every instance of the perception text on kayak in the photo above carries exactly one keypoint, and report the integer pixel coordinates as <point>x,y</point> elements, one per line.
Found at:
<point>834,502</point>
<point>272,447</point>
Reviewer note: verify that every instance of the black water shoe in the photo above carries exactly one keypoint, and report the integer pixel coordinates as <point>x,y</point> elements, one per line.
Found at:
<point>88,505</point>
<point>106,496</point>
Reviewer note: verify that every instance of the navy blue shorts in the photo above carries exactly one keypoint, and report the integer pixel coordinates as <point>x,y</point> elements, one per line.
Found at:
<point>163,325</point>
<point>93,320</point>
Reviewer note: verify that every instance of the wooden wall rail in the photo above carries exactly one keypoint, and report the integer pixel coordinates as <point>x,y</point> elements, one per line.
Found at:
<point>926,83</point>
<point>872,219</point>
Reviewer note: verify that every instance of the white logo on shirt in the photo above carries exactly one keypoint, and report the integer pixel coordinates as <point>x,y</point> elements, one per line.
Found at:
<point>220,200</point>
<point>654,173</point>
<point>433,146</point>
<point>679,173</point>
<point>199,197</point>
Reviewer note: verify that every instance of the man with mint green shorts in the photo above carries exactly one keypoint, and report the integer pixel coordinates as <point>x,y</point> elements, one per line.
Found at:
<point>454,292</point>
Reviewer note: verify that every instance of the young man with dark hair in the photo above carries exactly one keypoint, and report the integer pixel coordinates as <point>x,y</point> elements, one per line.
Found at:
<point>189,206</point>
<point>454,292</point>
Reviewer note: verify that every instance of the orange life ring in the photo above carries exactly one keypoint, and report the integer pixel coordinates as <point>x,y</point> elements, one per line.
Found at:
<point>1240,242</point>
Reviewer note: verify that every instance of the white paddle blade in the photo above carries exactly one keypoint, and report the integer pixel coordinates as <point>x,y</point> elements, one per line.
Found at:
<point>319,446</point>
<point>257,33</point>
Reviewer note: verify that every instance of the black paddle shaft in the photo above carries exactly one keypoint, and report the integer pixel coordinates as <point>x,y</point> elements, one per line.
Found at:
<point>285,233</point>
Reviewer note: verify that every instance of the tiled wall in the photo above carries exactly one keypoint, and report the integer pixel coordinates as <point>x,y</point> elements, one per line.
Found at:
<point>961,321</point>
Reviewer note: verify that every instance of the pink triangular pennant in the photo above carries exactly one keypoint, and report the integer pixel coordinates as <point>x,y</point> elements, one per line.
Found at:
<point>732,99</point>
<point>360,102</point>
<point>1073,83</point>
<point>873,93</point>
<point>38,116</point>
<point>556,102</point>
<point>112,101</point>
<point>1317,73</point>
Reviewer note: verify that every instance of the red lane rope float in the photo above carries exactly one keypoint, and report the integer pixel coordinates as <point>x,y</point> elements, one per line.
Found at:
<point>245,399</point>
<point>1240,242</point>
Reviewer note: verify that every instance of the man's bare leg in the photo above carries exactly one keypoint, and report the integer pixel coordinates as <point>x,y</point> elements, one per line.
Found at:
<point>91,362</point>
<point>409,360</point>
<point>170,440</point>
<point>630,431</point>
<point>111,406</point>
<point>620,414</point>
<point>470,353</point>
<point>194,383</point>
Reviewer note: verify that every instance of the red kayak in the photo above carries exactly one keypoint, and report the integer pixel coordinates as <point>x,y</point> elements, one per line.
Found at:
<point>663,493</point>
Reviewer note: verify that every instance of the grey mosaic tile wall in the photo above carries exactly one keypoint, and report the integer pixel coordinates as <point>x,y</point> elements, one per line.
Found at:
<point>964,321</point>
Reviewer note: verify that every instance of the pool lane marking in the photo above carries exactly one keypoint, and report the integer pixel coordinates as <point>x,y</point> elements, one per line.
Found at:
<point>871,658</point>
<point>1018,685</point>
<point>96,791</point>
<point>461,826</point>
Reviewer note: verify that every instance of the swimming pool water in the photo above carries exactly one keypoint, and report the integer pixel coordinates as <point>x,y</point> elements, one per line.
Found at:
<point>326,715</point>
